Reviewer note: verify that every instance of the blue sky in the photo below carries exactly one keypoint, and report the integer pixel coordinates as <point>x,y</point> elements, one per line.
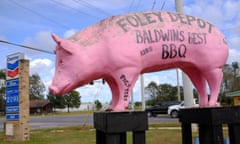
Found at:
<point>31,22</point>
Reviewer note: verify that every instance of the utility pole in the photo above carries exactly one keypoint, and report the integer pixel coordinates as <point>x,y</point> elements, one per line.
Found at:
<point>187,84</point>
<point>142,92</point>
<point>178,85</point>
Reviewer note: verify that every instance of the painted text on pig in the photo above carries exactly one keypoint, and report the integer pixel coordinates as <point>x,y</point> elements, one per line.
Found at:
<point>146,18</point>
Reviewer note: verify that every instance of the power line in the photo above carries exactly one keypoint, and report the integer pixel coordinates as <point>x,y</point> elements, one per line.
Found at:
<point>131,5</point>
<point>163,4</point>
<point>153,5</point>
<point>138,4</point>
<point>69,7</point>
<point>40,15</point>
<point>89,5</point>
<point>27,47</point>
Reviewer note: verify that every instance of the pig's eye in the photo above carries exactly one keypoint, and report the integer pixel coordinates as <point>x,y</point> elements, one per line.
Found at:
<point>61,62</point>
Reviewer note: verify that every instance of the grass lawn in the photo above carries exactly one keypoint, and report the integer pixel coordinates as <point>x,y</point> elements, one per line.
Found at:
<point>86,135</point>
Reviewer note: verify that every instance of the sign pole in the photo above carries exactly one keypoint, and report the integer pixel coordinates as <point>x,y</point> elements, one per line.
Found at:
<point>187,84</point>
<point>16,126</point>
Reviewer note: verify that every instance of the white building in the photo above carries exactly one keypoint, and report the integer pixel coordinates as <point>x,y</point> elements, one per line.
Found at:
<point>83,107</point>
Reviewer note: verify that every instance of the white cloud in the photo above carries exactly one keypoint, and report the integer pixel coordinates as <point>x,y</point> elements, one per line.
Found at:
<point>234,42</point>
<point>98,91</point>
<point>42,41</point>
<point>234,56</point>
<point>44,68</point>
<point>47,77</point>
<point>40,66</point>
<point>2,37</point>
<point>234,51</point>
<point>220,12</point>
<point>209,10</point>
<point>69,33</point>
<point>162,77</point>
<point>225,15</point>
<point>231,9</point>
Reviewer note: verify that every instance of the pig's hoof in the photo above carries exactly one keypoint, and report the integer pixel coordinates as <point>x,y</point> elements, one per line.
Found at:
<point>118,109</point>
<point>109,109</point>
<point>214,104</point>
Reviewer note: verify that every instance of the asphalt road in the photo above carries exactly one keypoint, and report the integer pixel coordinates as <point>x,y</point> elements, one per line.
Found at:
<point>39,122</point>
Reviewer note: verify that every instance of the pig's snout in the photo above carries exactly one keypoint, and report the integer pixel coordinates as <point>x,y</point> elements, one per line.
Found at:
<point>54,90</point>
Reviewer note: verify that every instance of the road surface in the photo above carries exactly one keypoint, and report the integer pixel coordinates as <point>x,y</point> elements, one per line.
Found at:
<point>39,122</point>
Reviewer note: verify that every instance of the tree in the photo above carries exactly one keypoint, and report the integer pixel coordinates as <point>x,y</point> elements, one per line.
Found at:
<point>98,104</point>
<point>152,90</point>
<point>159,93</point>
<point>56,101</point>
<point>2,90</point>
<point>137,104</point>
<point>2,74</point>
<point>72,99</point>
<point>230,82</point>
<point>231,78</point>
<point>37,87</point>
<point>69,100</point>
<point>168,92</point>
<point>236,83</point>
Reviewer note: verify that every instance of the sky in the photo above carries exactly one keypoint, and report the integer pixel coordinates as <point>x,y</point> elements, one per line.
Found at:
<point>31,23</point>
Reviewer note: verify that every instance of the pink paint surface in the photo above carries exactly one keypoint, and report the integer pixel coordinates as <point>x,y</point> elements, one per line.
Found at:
<point>122,47</point>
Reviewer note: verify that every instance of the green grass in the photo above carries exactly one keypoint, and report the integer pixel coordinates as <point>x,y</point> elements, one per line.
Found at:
<point>86,135</point>
<point>68,135</point>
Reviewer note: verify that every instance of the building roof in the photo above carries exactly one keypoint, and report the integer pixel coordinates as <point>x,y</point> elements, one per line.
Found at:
<point>38,103</point>
<point>232,94</point>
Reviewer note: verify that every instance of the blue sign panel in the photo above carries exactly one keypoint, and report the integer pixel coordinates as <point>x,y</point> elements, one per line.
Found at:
<point>12,117</point>
<point>12,86</point>
<point>12,71</point>
<point>12,83</point>
<point>12,96</point>
<point>14,65</point>
<point>12,109</point>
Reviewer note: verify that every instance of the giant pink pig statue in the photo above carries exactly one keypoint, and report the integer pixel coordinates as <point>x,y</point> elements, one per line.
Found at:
<point>120,48</point>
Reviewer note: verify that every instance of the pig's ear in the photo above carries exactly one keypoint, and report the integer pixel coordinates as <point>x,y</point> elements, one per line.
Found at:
<point>62,43</point>
<point>66,46</point>
<point>56,38</point>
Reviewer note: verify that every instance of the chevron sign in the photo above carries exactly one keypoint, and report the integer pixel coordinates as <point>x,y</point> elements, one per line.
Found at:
<point>13,65</point>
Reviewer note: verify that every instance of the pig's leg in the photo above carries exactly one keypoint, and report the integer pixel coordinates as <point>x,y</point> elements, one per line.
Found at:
<point>115,96</point>
<point>200,83</point>
<point>115,92</point>
<point>125,84</point>
<point>214,78</point>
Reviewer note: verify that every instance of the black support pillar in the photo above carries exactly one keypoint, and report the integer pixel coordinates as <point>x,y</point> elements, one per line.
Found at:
<point>210,121</point>
<point>112,127</point>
